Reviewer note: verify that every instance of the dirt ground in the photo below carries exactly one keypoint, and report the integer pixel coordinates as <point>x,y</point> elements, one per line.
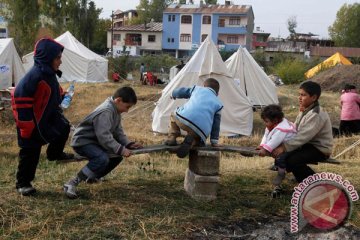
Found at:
<point>334,79</point>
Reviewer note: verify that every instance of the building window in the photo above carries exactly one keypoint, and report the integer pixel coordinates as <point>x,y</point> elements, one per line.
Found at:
<point>232,39</point>
<point>234,21</point>
<point>203,37</point>
<point>186,19</point>
<point>171,18</point>
<point>151,38</point>
<point>172,40</point>
<point>206,19</point>
<point>185,38</point>
<point>168,39</point>
<point>221,22</point>
<point>117,37</point>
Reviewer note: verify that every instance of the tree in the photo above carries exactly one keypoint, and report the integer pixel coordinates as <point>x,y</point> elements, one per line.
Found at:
<point>291,25</point>
<point>148,10</point>
<point>98,43</point>
<point>23,20</point>
<point>345,31</point>
<point>214,2</point>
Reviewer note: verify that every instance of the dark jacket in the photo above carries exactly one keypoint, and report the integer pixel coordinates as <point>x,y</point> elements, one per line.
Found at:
<point>37,98</point>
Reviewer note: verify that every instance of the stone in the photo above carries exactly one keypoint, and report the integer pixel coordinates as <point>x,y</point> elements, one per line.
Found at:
<point>203,188</point>
<point>205,163</point>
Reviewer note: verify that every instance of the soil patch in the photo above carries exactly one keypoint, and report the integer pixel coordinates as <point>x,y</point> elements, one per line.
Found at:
<point>334,79</point>
<point>270,228</point>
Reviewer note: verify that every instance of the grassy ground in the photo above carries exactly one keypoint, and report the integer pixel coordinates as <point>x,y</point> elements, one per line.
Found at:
<point>144,197</point>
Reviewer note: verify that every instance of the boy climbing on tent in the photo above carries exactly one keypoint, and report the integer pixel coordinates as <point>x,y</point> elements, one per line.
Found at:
<point>199,117</point>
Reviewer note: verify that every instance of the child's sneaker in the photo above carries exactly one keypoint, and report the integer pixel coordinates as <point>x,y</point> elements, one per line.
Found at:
<point>70,191</point>
<point>27,191</point>
<point>185,146</point>
<point>170,142</point>
<point>276,193</point>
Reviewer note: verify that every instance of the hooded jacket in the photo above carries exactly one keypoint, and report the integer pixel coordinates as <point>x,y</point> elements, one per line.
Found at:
<point>37,97</point>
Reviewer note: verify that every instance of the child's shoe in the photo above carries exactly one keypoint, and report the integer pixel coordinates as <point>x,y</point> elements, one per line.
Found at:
<point>170,142</point>
<point>276,193</point>
<point>27,191</point>
<point>185,146</point>
<point>62,157</point>
<point>70,191</point>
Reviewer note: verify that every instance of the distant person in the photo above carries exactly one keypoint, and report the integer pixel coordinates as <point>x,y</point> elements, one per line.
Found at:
<point>350,111</point>
<point>142,70</point>
<point>180,66</point>
<point>99,135</point>
<point>278,129</point>
<point>313,141</point>
<point>39,118</point>
<point>200,116</point>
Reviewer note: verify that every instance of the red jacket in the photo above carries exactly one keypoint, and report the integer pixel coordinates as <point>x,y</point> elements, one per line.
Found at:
<point>37,97</point>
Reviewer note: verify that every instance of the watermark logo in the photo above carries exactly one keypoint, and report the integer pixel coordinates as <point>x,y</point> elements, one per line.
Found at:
<point>323,200</point>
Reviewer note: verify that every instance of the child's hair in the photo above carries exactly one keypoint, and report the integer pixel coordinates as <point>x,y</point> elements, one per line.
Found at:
<point>127,95</point>
<point>273,113</point>
<point>312,88</point>
<point>349,87</point>
<point>212,83</point>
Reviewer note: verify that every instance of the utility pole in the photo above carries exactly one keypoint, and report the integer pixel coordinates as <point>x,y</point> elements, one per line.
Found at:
<point>112,33</point>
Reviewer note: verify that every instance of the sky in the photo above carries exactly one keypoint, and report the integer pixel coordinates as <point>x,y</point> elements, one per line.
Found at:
<point>271,16</point>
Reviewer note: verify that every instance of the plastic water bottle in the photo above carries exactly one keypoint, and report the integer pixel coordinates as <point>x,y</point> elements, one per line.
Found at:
<point>68,96</point>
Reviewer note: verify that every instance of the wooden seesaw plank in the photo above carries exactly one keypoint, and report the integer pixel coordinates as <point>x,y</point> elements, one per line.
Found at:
<point>245,151</point>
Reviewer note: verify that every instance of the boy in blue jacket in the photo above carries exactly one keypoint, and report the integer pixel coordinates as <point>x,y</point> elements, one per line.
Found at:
<point>199,117</point>
<point>39,118</point>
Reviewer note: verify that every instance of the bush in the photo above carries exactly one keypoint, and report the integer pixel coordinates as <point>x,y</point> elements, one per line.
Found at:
<point>291,71</point>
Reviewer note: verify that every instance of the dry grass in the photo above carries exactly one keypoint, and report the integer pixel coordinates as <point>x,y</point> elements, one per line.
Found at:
<point>137,202</point>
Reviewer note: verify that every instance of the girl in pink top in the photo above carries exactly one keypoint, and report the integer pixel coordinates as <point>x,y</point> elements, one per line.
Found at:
<point>350,110</point>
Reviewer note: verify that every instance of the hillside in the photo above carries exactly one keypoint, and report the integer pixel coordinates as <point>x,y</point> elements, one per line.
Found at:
<point>334,79</point>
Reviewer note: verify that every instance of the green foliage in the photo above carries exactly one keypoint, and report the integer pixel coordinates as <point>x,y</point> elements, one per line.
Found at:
<point>291,71</point>
<point>126,64</point>
<point>260,58</point>
<point>345,30</point>
<point>23,19</point>
<point>98,43</point>
<point>211,2</point>
<point>148,10</point>
<point>226,54</point>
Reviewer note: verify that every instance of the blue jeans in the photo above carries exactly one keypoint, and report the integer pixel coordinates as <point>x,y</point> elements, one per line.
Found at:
<point>99,163</point>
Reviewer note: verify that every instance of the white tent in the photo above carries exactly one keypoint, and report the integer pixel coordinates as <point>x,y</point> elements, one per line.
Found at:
<point>79,63</point>
<point>251,78</point>
<point>237,114</point>
<point>11,69</point>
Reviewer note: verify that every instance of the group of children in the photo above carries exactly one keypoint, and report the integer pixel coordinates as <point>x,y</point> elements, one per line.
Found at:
<point>101,139</point>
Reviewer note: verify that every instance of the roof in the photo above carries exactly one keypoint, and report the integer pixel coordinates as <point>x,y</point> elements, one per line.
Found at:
<point>195,8</point>
<point>150,27</point>
<point>328,51</point>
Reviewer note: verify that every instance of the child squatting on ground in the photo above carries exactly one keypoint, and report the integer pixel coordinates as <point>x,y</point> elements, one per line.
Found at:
<point>199,117</point>
<point>278,129</point>
<point>99,135</point>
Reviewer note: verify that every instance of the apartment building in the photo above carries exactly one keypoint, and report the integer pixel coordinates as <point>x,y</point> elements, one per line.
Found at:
<point>186,26</point>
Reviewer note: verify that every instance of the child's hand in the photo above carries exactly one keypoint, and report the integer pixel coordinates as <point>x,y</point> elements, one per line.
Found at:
<point>216,145</point>
<point>135,145</point>
<point>263,152</point>
<point>258,148</point>
<point>126,152</point>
